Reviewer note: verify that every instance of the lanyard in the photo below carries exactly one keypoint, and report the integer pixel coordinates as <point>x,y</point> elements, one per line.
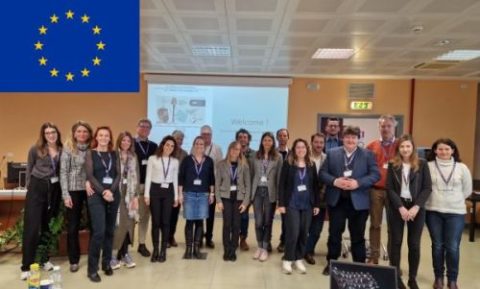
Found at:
<point>53,162</point>
<point>348,160</point>
<point>145,152</point>
<point>446,180</point>
<point>387,155</point>
<point>406,178</point>
<point>165,171</point>
<point>301,173</point>
<point>109,167</point>
<point>210,150</point>
<point>198,166</point>
<point>233,173</point>
<point>125,167</point>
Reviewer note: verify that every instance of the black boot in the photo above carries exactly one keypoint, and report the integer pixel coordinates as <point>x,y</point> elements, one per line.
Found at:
<point>233,254</point>
<point>196,243</point>
<point>189,243</point>
<point>155,254</point>
<point>163,253</point>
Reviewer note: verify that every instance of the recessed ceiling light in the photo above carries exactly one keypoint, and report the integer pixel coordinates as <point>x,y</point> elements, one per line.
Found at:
<point>459,55</point>
<point>333,53</point>
<point>211,51</point>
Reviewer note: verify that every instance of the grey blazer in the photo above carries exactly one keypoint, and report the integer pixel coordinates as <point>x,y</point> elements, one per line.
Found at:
<point>273,177</point>
<point>222,182</point>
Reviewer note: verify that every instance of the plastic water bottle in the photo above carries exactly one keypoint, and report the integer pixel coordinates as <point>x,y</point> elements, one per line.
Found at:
<point>56,277</point>
<point>34,277</point>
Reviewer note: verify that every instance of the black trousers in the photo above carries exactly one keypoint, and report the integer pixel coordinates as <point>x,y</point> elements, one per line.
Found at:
<point>231,223</point>
<point>297,224</point>
<point>283,229</point>
<point>103,218</point>
<point>42,203</point>
<point>74,215</point>
<point>263,211</point>
<point>395,236</point>
<point>210,221</point>
<point>161,204</point>
<point>357,220</point>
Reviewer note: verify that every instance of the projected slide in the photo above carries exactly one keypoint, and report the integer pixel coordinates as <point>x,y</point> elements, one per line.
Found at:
<point>224,108</point>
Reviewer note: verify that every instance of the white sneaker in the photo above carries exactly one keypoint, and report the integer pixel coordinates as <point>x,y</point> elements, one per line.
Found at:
<point>128,261</point>
<point>115,263</point>
<point>300,266</point>
<point>48,266</point>
<point>287,267</point>
<point>257,254</point>
<point>24,275</point>
<point>263,256</point>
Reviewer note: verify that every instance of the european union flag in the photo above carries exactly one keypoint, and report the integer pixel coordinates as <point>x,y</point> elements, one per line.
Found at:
<point>69,45</point>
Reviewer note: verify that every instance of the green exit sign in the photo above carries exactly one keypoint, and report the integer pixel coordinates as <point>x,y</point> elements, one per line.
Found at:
<point>361,105</point>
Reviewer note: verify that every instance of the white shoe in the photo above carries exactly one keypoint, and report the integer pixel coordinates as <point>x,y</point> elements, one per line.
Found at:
<point>263,256</point>
<point>24,275</point>
<point>287,267</point>
<point>115,264</point>
<point>48,266</point>
<point>300,266</point>
<point>257,254</point>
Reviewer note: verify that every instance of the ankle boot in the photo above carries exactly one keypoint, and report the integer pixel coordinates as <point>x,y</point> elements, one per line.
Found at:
<point>162,257</point>
<point>155,254</point>
<point>438,284</point>
<point>452,285</point>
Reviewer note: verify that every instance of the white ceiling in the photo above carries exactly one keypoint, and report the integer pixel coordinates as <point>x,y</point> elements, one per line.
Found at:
<point>278,37</point>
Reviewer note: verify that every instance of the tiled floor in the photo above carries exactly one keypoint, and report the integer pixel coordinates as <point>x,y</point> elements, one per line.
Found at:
<point>214,273</point>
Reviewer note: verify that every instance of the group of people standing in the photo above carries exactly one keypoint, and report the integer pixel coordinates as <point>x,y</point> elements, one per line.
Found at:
<point>127,182</point>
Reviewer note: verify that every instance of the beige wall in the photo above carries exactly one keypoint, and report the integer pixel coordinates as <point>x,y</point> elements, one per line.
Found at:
<point>442,108</point>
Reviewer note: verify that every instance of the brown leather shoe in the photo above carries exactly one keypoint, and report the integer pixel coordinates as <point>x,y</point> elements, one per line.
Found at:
<point>452,285</point>
<point>438,284</point>
<point>309,259</point>
<point>243,244</point>
<point>373,261</point>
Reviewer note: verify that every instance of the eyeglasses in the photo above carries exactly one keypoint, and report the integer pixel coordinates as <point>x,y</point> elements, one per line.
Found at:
<point>145,126</point>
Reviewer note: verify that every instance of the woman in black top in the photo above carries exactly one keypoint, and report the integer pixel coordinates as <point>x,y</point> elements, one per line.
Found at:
<point>43,194</point>
<point>196,183</point>
<point>103,174</point>
<point>299,199</point>
<point>408,187</point>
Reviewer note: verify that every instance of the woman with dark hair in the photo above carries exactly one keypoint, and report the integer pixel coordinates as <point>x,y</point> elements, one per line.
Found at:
<point>72,181</point>
<point>445,217</point>
<point>43,198</point>
<point>161,193</point>
<point>408,187</point>
<point>266,173</point>
<point>128,208</point>
<point>196,183</point>
<point>103,175</point>
<point>299,200</point>
<point>232,186</point>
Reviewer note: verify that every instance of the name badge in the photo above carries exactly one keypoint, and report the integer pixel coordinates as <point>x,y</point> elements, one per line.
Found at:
<point>385,165</point>
<point>347,173</point>
<point>107,180</point>
<point>144,162</point>
<point>166,185</point>
<point>233,188</point>
<point>54,180</point>
<point>124,181</point>
<point>197,182</point>
<point>302,188</point>
<point>263,179</point>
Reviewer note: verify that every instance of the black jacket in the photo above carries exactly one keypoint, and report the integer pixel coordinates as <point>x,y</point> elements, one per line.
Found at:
<point>285,187</point>
<point>420,185</point>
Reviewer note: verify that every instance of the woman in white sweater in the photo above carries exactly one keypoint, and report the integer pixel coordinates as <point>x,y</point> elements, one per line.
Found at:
<point>445,217</point>
<point>161,193</point>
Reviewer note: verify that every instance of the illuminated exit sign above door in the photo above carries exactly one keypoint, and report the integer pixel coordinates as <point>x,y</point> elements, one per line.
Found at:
<point>361,105</point>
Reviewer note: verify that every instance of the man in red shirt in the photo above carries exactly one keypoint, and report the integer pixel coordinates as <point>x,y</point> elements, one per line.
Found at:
<point>384,150</point>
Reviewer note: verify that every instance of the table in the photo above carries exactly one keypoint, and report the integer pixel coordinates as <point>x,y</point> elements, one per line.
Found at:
<point>474,198</point>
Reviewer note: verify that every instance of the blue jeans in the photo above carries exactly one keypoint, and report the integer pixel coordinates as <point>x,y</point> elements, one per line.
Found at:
<point>314,232</point>
<point>446,233</point>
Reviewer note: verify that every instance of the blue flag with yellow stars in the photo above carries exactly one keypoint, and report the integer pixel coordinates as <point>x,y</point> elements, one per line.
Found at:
<point>69,45</point>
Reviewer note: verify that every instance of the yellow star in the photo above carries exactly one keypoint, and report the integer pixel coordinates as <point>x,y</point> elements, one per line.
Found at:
<point>85,18</point>
<point>69,76</point>
<point>69,14</point>
<point>54,73</point>
<point>38,45</point>
<point>101,45</point>
<point>96,29</point>
<point>54,18</point>
<point>96,61</point>
<point>43,30</point>
<point>85,72</point>
<point>43,61</point>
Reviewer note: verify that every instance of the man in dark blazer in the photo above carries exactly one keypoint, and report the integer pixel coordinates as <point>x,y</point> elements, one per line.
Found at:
<point>349,173</point>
